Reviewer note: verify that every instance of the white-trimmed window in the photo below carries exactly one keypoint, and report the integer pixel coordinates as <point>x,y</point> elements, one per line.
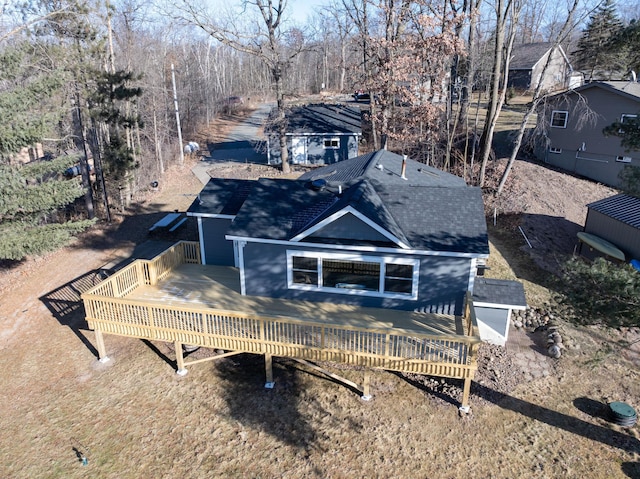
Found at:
<point>623,159</point>
<point>557,151</point>
<point>559,118</point>
<point>385,276</point>
<point>331,143</point>
<point>625,117</point>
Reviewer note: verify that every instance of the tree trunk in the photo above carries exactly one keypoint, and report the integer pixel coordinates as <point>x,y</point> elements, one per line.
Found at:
<point>491,118</point>
<point>537,95</point>
<point>282,122</point>
<point>500,75</point>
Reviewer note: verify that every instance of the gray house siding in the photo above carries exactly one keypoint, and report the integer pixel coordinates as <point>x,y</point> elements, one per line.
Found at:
<point>625,237</point>
<point>581,147</point>
<point>348,227</point>
<point>442,286</point>
<point>311,150</point>
<point>217,250</point>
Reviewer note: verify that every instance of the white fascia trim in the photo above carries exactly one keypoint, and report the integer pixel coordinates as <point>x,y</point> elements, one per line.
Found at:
<point>498,306</point>
<point>364,249</point>
<point>357,214</point>
<point>243,283</point>
<point>212,215</point>
<point>203,259</point>
<point>323,134</point>
<point>473,270</point>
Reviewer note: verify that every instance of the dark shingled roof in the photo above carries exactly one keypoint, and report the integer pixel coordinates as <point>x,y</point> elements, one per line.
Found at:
<point>324,119</point>
<point>499,291</point>
<point>429,210</point>
<point>526,55</point>
<point>276,209</point>
<point>221,196</point>
<point>623,208</point>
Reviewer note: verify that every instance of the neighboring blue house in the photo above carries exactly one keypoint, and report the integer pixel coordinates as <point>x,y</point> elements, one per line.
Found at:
<point>376,230</point>
<point>318,134</point>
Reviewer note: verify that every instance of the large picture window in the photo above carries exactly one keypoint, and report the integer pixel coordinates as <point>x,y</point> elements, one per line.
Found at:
<point>353,274</point>
<point>559,119</point>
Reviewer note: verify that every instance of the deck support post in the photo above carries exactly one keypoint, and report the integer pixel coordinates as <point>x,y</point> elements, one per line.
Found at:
<point>268,366</point>
<point>180,359</point>
<point>464,405</point>
<point>102,351</point>
<point>366,386</point>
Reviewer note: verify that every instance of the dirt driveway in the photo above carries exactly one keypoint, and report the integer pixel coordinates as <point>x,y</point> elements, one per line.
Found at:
<point>134,417</point>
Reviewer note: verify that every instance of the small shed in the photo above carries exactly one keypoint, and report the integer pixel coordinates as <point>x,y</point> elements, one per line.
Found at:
<point>319,134</point>
<point>493,301</point>
<point>616,220</point>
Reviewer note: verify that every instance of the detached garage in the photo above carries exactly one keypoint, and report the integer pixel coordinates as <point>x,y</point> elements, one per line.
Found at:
<point>320,134</point>
<point>616,220</point>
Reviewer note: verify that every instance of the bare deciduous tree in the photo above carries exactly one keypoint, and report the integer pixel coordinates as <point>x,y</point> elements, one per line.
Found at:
<point>263,39</point>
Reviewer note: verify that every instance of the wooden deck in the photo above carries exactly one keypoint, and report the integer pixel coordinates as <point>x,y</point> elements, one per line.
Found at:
<point>174,298</point>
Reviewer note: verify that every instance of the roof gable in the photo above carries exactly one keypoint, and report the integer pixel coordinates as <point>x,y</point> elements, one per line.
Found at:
<point>350,225</point>
<point>427,210</point>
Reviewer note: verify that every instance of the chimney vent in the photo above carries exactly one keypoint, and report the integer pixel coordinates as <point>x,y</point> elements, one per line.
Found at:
<point>403,174</point>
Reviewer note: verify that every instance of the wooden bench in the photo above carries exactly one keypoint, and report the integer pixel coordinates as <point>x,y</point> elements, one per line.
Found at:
<point>178,224</point>
<point>165,222</point>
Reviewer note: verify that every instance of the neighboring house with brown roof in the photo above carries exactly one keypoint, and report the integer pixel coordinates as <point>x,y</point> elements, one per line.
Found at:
<point>528,61</point>
<point>571,125</point>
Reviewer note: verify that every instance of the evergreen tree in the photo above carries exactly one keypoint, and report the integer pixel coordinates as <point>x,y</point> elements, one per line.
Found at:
<point>112,94</point>
<point>30,199</point>
<point>596,52</point>
<point>26,85</point>
<point>602,292</point>
<point>627,42</point>
<point>31,196</point>
<point>628,130</point>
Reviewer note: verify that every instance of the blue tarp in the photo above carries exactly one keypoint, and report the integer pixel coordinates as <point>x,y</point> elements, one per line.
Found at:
<point>635,263</point>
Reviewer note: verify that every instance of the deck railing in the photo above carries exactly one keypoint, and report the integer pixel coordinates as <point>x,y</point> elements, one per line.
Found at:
<point>231,330</point>
<point>147,272</point>
<point>109,311</point>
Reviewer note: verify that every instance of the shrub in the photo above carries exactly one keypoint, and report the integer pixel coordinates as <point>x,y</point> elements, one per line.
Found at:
<point>602,292</point>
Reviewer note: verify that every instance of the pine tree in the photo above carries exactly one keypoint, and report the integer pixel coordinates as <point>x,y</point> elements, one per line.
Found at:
<point>596,52</point>
<point>32,196</point>
<point>25,97</point>
<point>30,199</point>
<point>627,42</point>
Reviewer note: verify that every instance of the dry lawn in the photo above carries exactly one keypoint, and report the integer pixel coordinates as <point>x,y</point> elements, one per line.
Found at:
<point>134,417</point>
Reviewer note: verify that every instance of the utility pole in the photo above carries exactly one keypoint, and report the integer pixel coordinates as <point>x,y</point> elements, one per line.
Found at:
<point>175,103</point>
<point>84,159</point>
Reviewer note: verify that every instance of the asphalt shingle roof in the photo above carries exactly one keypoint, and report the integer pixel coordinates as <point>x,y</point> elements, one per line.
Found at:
<point>623,208</point>
<point>324,119</point>
<point>221,196</point>
<point>499,291</point>
<point>526,55</point>
<point>429,210</point>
